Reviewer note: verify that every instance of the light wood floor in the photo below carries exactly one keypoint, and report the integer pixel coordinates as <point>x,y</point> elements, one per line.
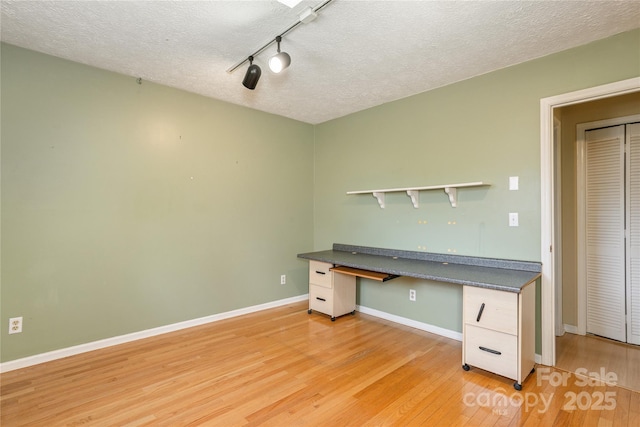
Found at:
<point>283,367</point>
<point>593,354</point>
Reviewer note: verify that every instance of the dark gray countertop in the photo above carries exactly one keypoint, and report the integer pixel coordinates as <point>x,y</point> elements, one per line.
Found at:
<point>490,273</point>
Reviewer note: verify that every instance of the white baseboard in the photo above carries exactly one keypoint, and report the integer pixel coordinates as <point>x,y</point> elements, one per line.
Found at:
<point>420,325</point>
<point>412,323</point>
<point>571,329</point>
<point>108,342</point>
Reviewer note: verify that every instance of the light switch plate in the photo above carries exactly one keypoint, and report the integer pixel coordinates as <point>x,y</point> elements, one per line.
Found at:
<point>513,183</point>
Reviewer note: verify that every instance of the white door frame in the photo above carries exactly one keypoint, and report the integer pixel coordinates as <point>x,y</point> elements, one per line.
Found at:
<point>557,142</point>
<point>547,203</point>
<point>581,287</point>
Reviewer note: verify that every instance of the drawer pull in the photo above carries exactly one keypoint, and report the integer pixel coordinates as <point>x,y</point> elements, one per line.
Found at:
<point>480,313</point>
<point>320,272</point>
<point>321,299</point>
<point>488,350</point>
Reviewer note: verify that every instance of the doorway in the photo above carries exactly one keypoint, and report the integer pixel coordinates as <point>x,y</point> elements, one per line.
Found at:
<point>548,110</point>
<point>568,110</point>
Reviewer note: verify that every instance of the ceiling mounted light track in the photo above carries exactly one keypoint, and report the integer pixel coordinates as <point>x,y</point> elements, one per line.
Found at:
<point>280,60</point>
<point>283,59</point>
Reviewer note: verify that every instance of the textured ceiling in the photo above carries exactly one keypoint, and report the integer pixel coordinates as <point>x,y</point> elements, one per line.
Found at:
<point>355,55</point>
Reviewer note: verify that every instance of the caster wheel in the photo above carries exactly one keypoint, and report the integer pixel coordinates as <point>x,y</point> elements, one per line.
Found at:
<point>353,313</point>
<point>309,311</point>
<point>517,386</point>
<point>466,367</point>
<point>333,319</point>
<point>532,370</point>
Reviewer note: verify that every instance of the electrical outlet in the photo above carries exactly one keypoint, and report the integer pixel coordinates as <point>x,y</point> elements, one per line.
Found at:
<point>412,294</point>
<point>15,325</point>
<point>283,279</point>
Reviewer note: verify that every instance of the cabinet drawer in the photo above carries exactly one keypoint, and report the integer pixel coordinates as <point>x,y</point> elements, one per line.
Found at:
<point>500,310</point>
<point>321,299</point>
<point>320,274</point>
<point>492,351</point>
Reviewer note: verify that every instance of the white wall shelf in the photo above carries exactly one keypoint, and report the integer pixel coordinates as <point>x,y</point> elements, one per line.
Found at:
<point>413,192</point>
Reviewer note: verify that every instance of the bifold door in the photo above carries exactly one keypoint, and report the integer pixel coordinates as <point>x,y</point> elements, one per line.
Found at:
<point>613,232</point>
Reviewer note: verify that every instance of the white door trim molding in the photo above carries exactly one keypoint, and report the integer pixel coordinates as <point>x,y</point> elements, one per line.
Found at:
<point>557,142</point>
<point>547,205</point>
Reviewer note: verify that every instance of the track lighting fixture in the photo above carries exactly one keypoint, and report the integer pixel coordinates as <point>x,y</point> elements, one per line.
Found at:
<point>280,60</point>
<point>253,75</point>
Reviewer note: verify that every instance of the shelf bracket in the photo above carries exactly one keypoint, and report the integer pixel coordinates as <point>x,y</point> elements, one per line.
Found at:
<point>451,190</point>
<point>380,196</point>
<point>413,194</point>
<point>453,195</point>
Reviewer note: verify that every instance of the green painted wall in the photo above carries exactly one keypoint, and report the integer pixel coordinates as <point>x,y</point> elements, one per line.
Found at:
<point>126,207</point>
<point>483,129</point>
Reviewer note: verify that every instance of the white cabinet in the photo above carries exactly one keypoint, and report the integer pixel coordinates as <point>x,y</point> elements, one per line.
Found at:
<point>330,292</point>
<point>499,331</point>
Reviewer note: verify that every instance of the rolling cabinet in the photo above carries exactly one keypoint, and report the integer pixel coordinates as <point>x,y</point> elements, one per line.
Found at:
<point>499,331</point>
<point>331,292</point>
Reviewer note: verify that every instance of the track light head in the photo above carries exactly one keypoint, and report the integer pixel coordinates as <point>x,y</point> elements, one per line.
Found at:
<point>252,76</point>
<point>280,60</point>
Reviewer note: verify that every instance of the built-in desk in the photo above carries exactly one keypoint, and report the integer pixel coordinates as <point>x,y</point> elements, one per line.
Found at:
<point>498,297</point>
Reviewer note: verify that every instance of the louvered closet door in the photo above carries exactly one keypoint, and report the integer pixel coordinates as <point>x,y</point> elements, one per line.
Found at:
<point>605,245</point>
<point>633,235</point>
